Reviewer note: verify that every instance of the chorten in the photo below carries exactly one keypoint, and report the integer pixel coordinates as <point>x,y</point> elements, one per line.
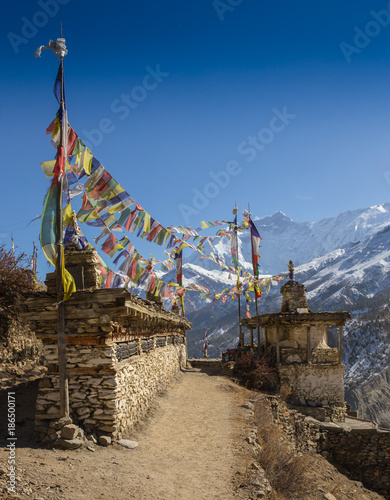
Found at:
<point>296,339</point>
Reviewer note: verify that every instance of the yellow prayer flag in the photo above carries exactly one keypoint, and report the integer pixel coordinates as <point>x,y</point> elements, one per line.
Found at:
<point>183,245</point>
<point>67,215</point>
<point>181,298</point>
<point>68,284</point>
<point>87,161</point>
<point>56,131</point>
<point>146,223</point>
<point>48,167</point>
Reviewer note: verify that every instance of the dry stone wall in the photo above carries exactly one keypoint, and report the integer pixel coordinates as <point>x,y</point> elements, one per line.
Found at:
<point>106,395</point>
<point>301,431</point>
<point>141,379</point>
<point>363,450</point>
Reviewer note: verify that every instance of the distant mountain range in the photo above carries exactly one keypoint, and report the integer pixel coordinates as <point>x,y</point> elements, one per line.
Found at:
<point>344,263</point>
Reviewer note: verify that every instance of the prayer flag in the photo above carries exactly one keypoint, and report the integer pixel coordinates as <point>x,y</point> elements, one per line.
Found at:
<point>234,244</point>
<point>48,237</point>
<point>205,346</point>
<point>57,85</point>
<point>255,241</point>
<point>179,266</point>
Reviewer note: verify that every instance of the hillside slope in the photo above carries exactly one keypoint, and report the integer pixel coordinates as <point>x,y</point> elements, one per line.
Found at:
<point>372,398</point>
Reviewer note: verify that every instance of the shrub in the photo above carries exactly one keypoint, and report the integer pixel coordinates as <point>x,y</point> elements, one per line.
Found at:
<point>255,372</point>
<point>15,278</point>
<point>286,471</point>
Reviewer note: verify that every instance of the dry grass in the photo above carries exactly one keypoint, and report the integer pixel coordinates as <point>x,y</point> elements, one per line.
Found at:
<point>285,470</point>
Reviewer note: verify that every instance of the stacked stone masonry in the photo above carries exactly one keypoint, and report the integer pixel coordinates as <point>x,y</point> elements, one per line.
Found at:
<point>116,395</point>
<point>364,451</point>
<point>313,384</point>
<point>120,350</point>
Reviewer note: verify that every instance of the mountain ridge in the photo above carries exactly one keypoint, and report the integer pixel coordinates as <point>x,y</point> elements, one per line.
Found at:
<point>343,261</point>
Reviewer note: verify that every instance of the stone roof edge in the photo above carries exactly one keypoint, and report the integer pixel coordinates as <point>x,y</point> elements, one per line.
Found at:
<point>280,317</point>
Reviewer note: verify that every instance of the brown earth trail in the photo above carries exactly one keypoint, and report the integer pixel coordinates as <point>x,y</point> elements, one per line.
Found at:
<point>192,447</point>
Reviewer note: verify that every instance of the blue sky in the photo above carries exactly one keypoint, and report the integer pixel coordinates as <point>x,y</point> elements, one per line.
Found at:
<point>247,101</point>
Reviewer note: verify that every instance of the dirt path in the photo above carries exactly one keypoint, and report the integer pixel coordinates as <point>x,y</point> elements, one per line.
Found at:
<point>192,447</point>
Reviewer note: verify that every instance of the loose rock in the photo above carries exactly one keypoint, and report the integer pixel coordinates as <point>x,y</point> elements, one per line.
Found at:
<point>126,443</point>
<point>105,440</point>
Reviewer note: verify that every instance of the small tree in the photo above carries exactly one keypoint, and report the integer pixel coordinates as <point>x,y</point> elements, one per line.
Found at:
<point>15,278</point>
<point>255,372</point>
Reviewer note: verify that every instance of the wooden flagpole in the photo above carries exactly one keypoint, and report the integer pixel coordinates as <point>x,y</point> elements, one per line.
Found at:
<point>255,292</point>
<point>62,372</point>
<point>241,340</point>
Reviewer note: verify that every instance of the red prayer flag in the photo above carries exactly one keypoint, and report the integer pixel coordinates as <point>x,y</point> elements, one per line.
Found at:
<point>109,244</point>
<point>50,128</point>
<point>72,138</point>
<point>59,167</point>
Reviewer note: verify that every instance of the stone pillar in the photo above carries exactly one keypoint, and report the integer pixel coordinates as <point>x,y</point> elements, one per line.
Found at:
<point>277,346</point>
<point>308,345</point>
<point>340,344</point>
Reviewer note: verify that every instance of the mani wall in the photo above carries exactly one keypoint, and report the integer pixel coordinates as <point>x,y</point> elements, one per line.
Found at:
<point>121,352</point>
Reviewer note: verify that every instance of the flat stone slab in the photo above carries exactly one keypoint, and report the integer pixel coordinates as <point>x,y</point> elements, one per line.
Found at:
<point>69,444</point>
<point>104,440</point>
<point>126,443</point>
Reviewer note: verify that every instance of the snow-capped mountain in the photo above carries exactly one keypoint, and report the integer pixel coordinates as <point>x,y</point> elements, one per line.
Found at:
<point>344,263</point>
<point>310,244</point>
<point>283,239</point>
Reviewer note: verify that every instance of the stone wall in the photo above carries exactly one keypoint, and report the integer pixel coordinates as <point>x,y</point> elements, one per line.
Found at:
<point>359,447</point>
<point>364,452</point>
<point>140,380</point>
<point>313,384</point>
<point>106,395</point>
<point>301,431</point>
